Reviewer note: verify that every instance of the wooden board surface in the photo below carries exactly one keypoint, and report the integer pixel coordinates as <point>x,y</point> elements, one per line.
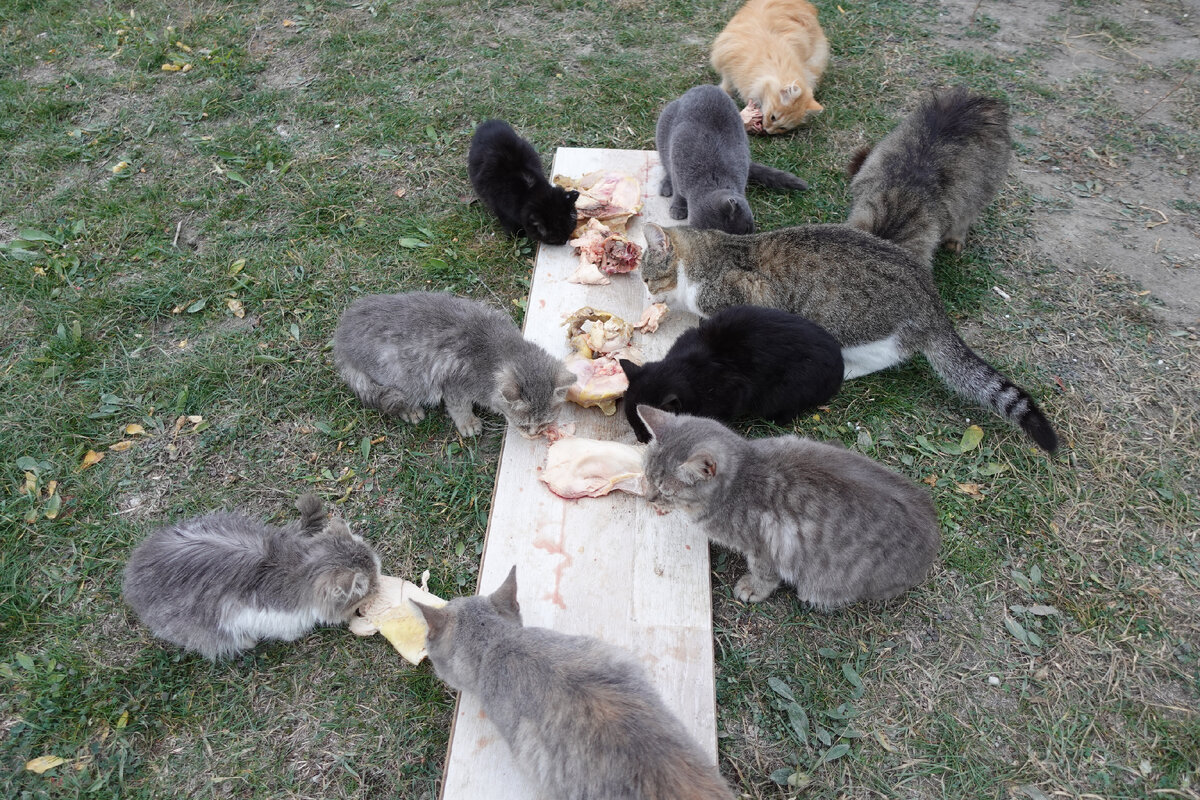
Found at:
<point>607,567</point>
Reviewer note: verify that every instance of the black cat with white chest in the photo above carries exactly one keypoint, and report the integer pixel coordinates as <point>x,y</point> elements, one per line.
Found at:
<point>743,361</point>
<point>506,173</point>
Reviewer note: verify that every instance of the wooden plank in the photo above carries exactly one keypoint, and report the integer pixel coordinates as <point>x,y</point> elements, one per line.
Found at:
<point>607,567</point>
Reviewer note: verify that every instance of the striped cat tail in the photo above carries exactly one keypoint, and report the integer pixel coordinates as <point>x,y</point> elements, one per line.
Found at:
<point>972,377</point>
<point>775,178</point>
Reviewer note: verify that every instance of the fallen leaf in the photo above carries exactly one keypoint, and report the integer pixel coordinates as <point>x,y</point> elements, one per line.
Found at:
<point>91,458</point>
<point>171,68</point>
<point>120,167</point>
<point>969,488</point>
<point>195,419</point>
<point>120,447</point>
<point>400,192</point>
<point>51,487</point>
<point>54,506</point>
<point>235,306</point>
<point>287,23</point>
<point>43,763</point>
<point>186,68</point>
<point>971,438</point>
<point>133,429</point>
<point>931,480</point>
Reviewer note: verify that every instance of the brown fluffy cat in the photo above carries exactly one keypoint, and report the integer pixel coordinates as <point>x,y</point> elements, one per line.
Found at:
<point>773,52</point>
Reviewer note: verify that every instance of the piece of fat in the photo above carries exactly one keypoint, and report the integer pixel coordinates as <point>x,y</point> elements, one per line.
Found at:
<point>579,467</point>
<point>390,612</point>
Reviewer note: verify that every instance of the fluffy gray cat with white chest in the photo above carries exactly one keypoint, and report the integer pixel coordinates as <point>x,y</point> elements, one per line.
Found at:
<point>834,524</point>
<point>705,154</point>
<point>219,583</point>
<point>580,716</point>
<point>402,352</point>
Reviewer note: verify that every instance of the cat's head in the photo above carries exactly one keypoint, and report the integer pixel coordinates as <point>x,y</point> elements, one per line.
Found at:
<point>722,211</point>
<point>655,384</point>
<point>787,107</point>
<point>690,460</point>
<point>549,215</point>
<point>659,269</point>
<point>342,569</point>
<point>531,387</point>
<point>465,628</point>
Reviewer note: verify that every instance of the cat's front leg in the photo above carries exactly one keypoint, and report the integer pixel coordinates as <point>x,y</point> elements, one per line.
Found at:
<point>679,207</point>
<point>464,417</point>
<point>666,189</point>
<point>396,403</point>
<point>757,584</point>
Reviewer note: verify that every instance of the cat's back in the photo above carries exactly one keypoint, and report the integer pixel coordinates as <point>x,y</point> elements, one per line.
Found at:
<point>409,319</point>
<point>498,150</point>
<point>585,715</point>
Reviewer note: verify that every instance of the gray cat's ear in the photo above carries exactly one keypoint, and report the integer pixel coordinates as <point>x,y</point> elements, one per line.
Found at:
<point>505,598</point>
<point>655,420</point>
<point>656,238</point>
<point>506,383</point>
<point>337,526</point>
<point>565,379</point>
<point>701,466</point>
<point>436,619</point>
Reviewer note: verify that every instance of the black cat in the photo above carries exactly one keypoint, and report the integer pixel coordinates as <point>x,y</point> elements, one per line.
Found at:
<point>508,178</point>
<point>743,361</point>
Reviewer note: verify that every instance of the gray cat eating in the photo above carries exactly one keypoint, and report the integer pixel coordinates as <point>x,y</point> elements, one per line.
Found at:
<point>402,352</point>
<point>219,583</point>
<point>580,716</point>
<point>832,523</point>
<point>704,151</point>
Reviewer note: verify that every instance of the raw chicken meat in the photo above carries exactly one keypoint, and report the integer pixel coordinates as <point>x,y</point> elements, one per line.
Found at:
<point>599,382</point>
<point>611,197</point>
<point>593,468</point>
<point>752,118</point>
<point>651,316</point>
<point>389,612</point>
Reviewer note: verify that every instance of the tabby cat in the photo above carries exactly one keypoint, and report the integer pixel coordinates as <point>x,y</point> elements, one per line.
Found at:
<point>580,716</point>
<point>219,583</point>
<point>773,52</point>
<point>830,522</point>
<point>873,296</point>
<point>931,177</point>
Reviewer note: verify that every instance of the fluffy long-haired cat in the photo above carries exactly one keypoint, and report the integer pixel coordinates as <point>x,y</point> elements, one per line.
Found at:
<point>932,176</point>
<point>706,158</point>
<point>402,352</point>
<point>743,361</point>
<point>219,583</point>
<point>834,524</point>
<point>874,297</point>
<point>773,52</point>
<point>507,175</point>
<point>580,716</point>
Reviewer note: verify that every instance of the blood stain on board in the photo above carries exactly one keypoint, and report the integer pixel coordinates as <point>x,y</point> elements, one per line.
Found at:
<point>556,549</point>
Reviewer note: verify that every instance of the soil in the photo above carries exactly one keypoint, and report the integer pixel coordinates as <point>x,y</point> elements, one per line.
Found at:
<point>1113,156</point>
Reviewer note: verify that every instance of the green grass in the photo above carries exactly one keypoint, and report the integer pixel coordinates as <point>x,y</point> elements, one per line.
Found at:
<point>295,167</point>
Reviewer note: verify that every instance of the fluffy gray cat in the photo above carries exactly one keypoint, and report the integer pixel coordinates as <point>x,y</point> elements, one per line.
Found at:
<point>703,148</point>
<point>830,522</point>
<point>931,177</point>
<point>402,352</point>
<point>219,583</point>
<point>874,297</point>
<point>580,716</point>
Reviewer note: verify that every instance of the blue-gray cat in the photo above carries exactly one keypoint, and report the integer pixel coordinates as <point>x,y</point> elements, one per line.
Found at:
<point>402,352</point>
<point>834,524</point>
<point>219,583</point>
<point>580,716</point>
<point>704,151</point>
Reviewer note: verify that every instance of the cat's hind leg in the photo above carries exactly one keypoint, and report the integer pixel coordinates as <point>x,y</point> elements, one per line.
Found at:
<point>392,401</point>
<point>463,414</point>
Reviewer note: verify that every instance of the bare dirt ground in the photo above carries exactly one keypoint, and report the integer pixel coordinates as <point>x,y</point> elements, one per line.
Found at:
<point>1117,166</point>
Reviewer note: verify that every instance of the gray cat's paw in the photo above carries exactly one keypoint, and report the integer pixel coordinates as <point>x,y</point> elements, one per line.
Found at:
<point>678,211</point>
<point>665,189</point>
<point>472,426</point>
<point>752,589</point>
<point>413,415</point>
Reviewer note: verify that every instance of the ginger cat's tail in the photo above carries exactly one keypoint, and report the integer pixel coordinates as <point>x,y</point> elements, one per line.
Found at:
<point>972,377</point>
<point>775,178</point>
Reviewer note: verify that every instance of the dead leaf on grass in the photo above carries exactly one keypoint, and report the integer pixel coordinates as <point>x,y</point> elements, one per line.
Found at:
<point>236,307</point>
<point>133,429</point>
<point>43,763</point>
<point>91,458</point>
<point>932,479</point>
<point>121,446</point>
<point>971,438</point>
<point>971,489</point>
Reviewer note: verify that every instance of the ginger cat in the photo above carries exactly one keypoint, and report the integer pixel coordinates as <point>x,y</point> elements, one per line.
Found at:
<point>773,52</point>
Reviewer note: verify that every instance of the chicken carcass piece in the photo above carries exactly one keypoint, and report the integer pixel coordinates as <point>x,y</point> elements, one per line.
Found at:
<point>589,245</point>
<point>593,468</point>
<point>611,197</point>
<point>388,611</point>
<point>599,382</point>
<point>752,118</point>
<point>651,317</point>
<point>594,333</point>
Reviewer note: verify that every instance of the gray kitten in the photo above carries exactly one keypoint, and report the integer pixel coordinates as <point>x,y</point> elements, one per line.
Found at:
<point>580,716</point>
<point>703,148</point>
<point>874,297</point>
<point>218,583</point>
<point>832,523</point>
<point>401,352</point>
<point>931,177</point>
